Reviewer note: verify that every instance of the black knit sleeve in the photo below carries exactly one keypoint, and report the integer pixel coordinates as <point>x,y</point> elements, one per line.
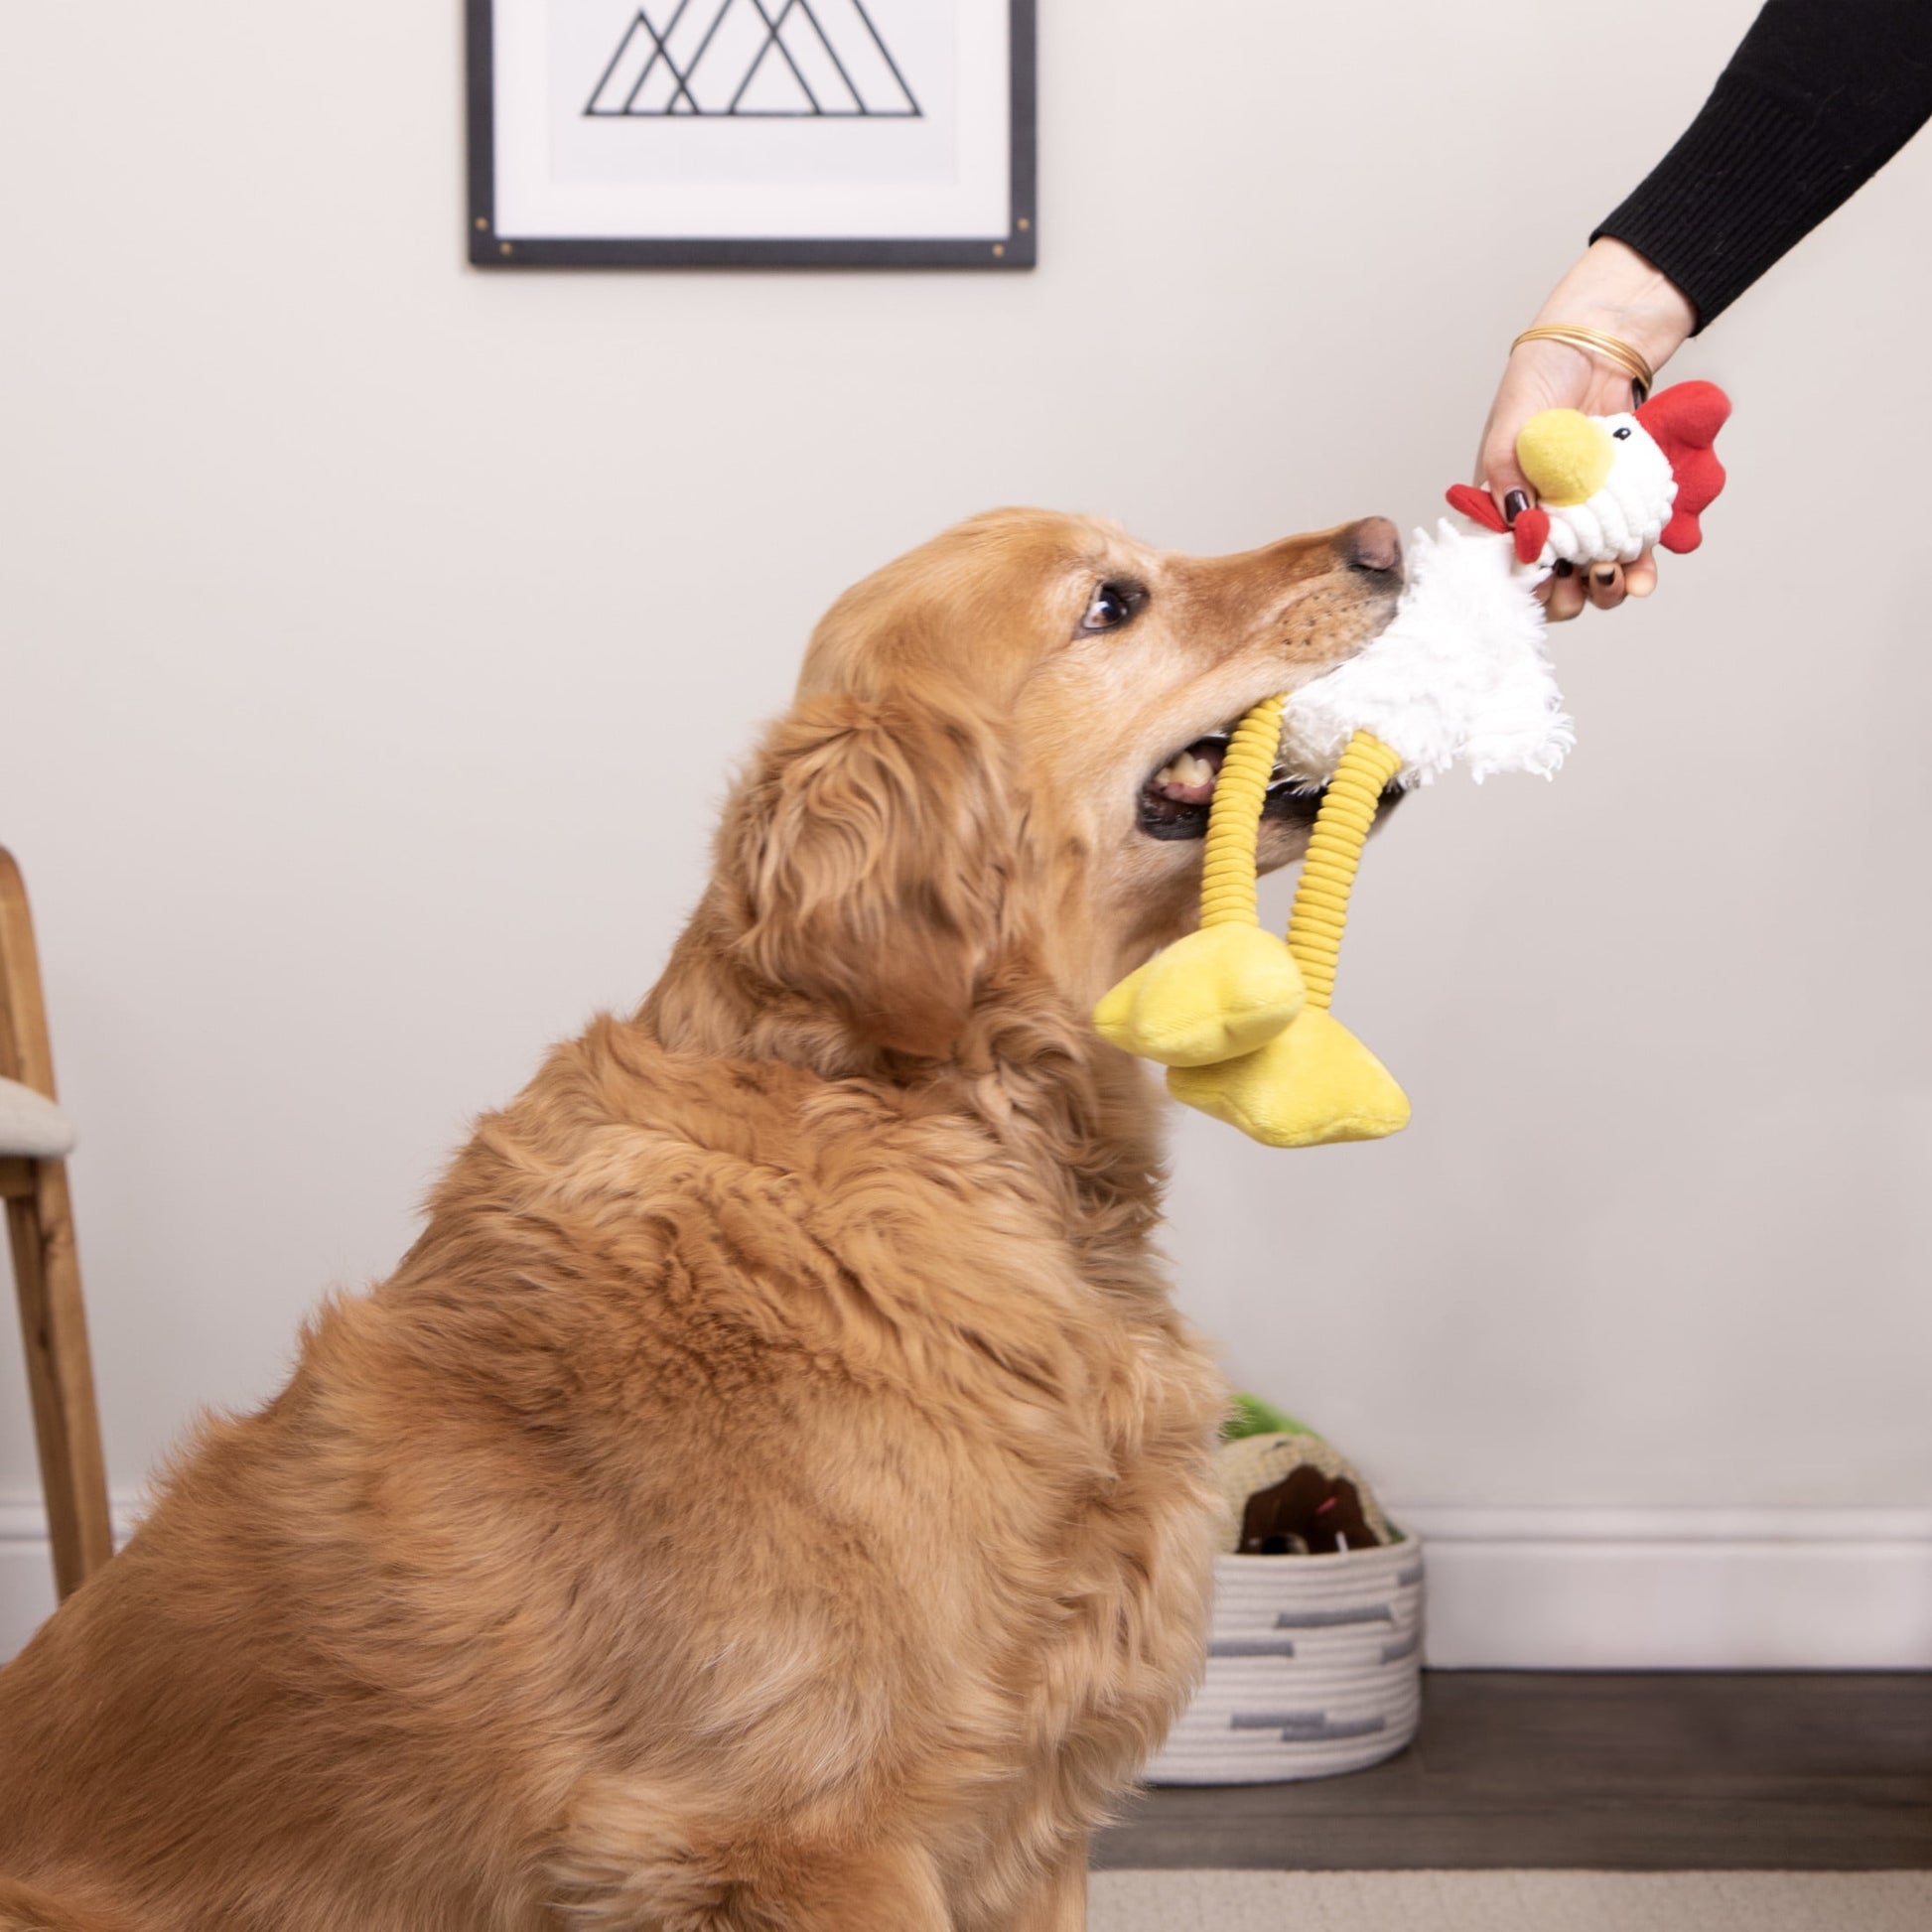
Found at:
<point>1818,97</point>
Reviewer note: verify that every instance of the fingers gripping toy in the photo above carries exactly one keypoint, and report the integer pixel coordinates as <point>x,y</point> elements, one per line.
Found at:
<point>1461,674</point>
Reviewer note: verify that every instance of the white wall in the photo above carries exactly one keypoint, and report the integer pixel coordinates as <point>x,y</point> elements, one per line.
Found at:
<point>379,636</point>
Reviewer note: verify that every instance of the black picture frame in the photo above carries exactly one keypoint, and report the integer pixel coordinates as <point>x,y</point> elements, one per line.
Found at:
<point>1018,248</point>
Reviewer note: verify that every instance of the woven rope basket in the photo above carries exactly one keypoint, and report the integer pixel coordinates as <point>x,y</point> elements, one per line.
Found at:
<point>1314,1668</point>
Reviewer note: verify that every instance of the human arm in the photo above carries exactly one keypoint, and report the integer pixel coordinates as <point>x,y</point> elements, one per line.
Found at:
<point>1817,96</point>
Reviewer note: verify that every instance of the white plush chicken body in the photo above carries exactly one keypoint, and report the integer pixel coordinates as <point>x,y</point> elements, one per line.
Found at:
<point>1461,674</point>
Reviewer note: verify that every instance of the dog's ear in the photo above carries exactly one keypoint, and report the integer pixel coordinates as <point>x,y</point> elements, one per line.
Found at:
<point>873,851</point>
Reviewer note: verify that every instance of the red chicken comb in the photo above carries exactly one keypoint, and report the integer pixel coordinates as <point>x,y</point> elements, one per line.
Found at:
<point>1685,420</point>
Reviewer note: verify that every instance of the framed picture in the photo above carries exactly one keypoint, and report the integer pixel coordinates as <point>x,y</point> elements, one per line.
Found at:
<point>801,133</point>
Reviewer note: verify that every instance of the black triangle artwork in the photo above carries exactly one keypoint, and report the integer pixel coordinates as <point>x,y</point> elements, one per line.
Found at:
<point>765,58</point>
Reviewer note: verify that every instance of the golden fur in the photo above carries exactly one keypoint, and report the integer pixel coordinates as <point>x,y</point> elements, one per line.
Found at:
<point>769,1495</point>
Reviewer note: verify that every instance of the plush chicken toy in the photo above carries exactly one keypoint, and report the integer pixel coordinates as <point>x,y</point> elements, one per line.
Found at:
<point>1612,486</point>
<point>1461,674</point>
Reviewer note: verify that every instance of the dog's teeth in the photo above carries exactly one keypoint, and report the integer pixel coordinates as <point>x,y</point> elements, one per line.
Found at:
<point>1186,769</point>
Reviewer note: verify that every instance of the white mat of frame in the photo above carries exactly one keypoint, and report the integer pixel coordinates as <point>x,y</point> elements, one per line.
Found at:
<point>1510,1902</point>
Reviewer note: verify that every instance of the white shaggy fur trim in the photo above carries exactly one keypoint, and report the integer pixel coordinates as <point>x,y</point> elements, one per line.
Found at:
<point>1462,672</point>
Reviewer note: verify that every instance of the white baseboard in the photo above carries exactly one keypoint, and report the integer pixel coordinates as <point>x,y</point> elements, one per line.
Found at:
<point>1542,1589</point>
<point>1598,1588</point>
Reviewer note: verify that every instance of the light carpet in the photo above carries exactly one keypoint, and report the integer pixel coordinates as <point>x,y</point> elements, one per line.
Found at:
<point>1511,1901</point>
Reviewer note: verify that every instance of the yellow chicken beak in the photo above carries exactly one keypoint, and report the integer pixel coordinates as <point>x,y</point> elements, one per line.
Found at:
<point>1565,455</point>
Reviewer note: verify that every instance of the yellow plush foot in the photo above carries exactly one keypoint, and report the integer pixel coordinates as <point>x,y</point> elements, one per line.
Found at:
<point>1312,1084</point>
<point>1219,992</point>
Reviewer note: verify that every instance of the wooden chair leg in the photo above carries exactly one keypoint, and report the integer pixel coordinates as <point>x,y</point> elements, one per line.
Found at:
<point>54,1327</point>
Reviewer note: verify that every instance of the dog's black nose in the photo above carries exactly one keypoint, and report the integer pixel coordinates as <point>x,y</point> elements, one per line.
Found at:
<point>1373,545</point>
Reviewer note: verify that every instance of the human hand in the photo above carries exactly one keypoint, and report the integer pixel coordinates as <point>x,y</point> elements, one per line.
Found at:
<point>1614,291</point>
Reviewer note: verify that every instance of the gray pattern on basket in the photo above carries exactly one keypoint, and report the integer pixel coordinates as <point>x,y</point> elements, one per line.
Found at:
<point>1314,1668</point>
<point>1329,1619</point>
<point>1304,1727</point>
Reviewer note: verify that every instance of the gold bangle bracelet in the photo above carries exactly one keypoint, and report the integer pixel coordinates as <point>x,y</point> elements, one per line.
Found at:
<point>1592,342</point>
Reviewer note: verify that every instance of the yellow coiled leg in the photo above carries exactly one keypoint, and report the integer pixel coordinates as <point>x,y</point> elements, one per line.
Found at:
<point>1241,1019</point>
<point>1319,915</point>
<point>1227,878</point>
<point>1223,990</point>
<point>1313,1082</point>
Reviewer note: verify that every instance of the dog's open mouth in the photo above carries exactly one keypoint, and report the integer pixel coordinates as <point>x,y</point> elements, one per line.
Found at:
<point>1174,800</point>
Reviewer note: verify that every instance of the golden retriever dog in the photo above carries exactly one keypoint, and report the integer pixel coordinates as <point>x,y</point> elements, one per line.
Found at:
<point>769,1496</point>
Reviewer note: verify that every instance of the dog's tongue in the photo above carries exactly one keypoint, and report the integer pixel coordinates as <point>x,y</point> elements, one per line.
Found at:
<point>1189,777</point>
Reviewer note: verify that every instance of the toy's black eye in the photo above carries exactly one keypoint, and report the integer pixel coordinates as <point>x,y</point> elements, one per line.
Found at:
<point>1623,435</point>
<point>1112,604</point>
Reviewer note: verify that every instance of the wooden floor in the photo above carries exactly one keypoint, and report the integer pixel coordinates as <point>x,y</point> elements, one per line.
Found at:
<point>1612,1772</point>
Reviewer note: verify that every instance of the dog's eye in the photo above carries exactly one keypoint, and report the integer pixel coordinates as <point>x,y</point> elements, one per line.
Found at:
<point>1111,604</point>
<point>1623,435</point>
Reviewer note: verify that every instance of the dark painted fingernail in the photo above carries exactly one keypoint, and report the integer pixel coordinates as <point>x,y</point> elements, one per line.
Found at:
<point>1565,568</point>
<point>1515,504</point>
<point>1607,577</point>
